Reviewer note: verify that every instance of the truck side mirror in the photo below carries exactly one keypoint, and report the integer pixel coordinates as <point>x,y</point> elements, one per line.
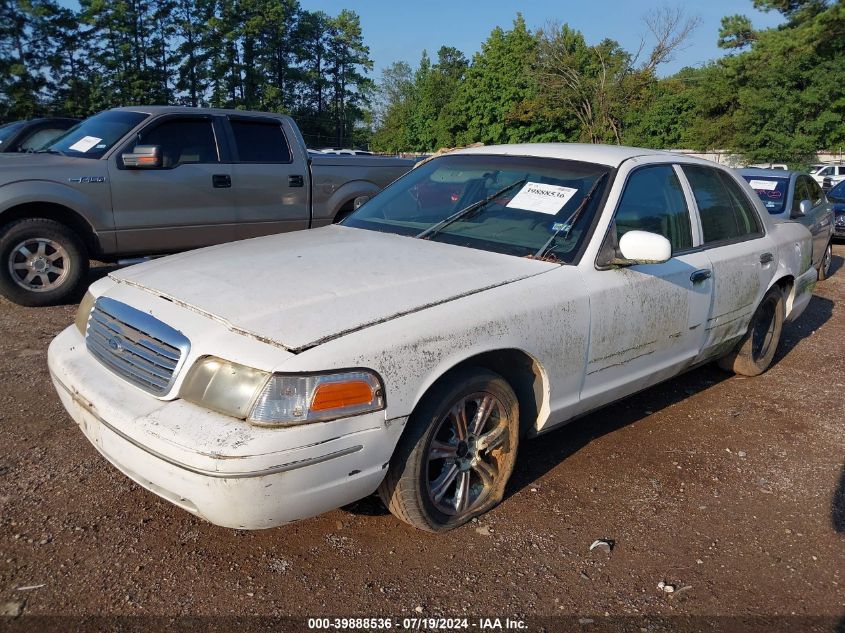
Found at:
<point>143,157</point>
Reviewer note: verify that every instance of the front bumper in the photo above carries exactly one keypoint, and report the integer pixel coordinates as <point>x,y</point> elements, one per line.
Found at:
<point>216,467</point>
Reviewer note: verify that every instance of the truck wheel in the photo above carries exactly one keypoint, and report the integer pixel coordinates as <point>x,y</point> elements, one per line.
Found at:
<point>41,262</point>
<point>755,351</point>
<point>457,453</point>
<point>827,262</point>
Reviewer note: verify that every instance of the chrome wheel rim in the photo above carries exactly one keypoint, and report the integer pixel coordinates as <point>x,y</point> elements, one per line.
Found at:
<point>465,453</point>
<point>38,264</point>
<point>826,260</point>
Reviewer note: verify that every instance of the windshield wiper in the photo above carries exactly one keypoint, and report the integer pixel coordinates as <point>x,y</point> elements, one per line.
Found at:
<point>566,227</point>
<point>50,151</point>
<point>475,206</point>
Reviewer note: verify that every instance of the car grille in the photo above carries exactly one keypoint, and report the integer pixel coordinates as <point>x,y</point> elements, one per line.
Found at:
<point>136,346</point>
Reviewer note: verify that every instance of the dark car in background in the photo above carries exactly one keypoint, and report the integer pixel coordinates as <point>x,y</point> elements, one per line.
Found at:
<point>836,196</point>
<point>792,195</point>
<point>25,136</point>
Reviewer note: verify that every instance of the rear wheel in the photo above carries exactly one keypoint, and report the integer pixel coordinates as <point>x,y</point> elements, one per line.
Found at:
<point>457,454</point>
<point>756,350</point>
<point>827,262</point>
<point>42,262</point>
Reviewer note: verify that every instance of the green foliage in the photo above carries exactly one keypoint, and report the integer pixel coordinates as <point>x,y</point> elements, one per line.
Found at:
<point>736,32</point>
<point>258,54</point>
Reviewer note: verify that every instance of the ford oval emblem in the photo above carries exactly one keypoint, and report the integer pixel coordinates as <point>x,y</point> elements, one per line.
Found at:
<point>115,344</point>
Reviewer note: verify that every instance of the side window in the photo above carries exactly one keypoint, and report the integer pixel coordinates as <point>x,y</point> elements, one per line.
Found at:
<point>653,201</point>
<point>802,192</point>
<point>182,141</point>
<point>260,141</point>
<point>725,212</point>
<point>816,193</point>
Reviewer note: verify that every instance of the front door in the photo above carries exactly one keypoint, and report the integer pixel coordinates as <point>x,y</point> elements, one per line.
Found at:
<point>647,321</point>
<point>187,203</point>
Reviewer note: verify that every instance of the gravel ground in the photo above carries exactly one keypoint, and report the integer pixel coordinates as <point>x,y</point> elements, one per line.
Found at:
<point>731,490</point>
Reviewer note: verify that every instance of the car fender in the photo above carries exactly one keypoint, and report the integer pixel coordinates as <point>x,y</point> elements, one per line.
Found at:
<point>95,210</point>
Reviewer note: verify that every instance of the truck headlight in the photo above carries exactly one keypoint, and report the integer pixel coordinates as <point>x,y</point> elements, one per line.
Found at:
<point>268,399</point>
<point>84,312</point>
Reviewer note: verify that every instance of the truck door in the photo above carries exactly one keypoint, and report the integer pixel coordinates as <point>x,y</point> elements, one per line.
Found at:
<point>185,203</point>
<point>647,321</point>
<point>270,178</point>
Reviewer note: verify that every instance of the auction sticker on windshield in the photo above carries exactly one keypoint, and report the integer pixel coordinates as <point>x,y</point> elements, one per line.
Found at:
<point>765,185</point>
<point>542,198</point>
<point>85,143</point>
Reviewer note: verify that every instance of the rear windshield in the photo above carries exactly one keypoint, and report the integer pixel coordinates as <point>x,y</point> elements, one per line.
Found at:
<point>96,135</point>
<point>772,191</point>
<point>530,203</point>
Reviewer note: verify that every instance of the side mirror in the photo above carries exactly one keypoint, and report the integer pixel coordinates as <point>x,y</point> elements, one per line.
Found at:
<point>804,207</point>
<point>143,157</point>
<point>642,247</point>
<point>359,201</point>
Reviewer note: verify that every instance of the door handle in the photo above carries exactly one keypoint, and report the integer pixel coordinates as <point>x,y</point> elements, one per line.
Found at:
<point>700,275</point>
<point>296,181</point>
<point>766,258</point>
<point>221,181</point>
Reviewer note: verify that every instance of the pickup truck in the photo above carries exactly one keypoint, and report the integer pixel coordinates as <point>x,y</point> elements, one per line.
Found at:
<point>142,181</point>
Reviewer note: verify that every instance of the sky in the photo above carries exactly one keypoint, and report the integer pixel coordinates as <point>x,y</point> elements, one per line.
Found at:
<point>397,30</point>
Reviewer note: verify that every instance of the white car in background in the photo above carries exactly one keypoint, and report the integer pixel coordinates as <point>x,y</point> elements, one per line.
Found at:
<point>828,176</point>
<point>490,294</point>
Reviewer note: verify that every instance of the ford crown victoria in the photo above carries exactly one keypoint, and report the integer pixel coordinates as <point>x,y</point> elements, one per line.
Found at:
<point>489,295</point>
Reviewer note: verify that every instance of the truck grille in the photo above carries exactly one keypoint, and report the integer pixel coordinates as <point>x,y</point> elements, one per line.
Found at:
<point>135,345</point>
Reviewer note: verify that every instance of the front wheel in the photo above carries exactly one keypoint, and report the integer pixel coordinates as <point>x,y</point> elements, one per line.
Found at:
<point>457,454</point>
<point>42,262</point>
<point>827,262</point>
<point>756,350</point>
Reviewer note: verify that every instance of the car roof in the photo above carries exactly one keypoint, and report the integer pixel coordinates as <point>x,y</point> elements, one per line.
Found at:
<point>768,173</point>
<point>611,155</point>
<point>156,109</point>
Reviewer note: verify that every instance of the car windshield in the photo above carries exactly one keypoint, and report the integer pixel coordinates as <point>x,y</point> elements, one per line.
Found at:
<point>772,191</point>
<point>539,196</point>
<point>9,130</point>
<point>837,193</point>
<point>95,136</point>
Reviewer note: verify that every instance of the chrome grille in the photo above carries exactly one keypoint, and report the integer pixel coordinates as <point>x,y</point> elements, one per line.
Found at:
<point>135,345</point>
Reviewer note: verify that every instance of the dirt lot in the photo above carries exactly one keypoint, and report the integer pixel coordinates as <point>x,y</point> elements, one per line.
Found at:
<point>731,490</point>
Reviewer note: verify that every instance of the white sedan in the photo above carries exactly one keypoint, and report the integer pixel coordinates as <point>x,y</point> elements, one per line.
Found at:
<point>491,294</point>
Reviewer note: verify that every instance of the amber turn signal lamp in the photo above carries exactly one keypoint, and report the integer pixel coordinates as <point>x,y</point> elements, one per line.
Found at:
<point>335,395</point>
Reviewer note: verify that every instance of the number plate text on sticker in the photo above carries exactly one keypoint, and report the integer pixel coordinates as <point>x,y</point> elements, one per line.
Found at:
<point>542,198</point>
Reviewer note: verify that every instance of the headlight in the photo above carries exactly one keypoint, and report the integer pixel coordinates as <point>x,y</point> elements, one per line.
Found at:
<point>222,386</point>
<point>278,399</point>
<point>290,399</point>
<point>83,312</point>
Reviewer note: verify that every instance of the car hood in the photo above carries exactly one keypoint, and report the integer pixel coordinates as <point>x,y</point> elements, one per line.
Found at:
<point>300,289</point>
<point>14,165</point>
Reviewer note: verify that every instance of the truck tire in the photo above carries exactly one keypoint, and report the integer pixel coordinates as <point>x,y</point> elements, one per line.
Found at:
<point>457,453</point>
<point>42,262</point>
<point>756,350</point>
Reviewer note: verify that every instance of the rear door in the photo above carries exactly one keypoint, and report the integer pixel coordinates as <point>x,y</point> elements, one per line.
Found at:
<point>647,320</point>
<point>741,256</point>
<point>188,202</point>
<point>270,177</point>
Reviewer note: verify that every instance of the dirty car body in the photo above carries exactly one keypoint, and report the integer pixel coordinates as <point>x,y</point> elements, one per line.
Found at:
<point>494,283</point>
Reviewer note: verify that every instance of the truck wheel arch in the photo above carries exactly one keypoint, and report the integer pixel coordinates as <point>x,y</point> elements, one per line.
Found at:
<point>58,213</point>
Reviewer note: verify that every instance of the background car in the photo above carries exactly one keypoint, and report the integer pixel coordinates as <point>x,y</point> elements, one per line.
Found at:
<point>791,195</point>
<point>836,196</point>
<point>828,175</point>
<point>25,136</point>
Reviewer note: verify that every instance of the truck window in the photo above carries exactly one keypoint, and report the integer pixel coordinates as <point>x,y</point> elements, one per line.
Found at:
<point>182,141</point>
<point>260,141</point>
